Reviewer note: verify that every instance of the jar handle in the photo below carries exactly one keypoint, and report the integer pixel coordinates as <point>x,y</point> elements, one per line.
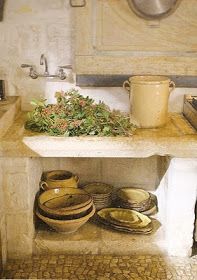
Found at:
<point>126,85</point>
<point>43,185</point>
<point>171,86</point>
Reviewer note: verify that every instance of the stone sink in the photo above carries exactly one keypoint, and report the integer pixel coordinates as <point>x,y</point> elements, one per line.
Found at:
<point>176,139</point>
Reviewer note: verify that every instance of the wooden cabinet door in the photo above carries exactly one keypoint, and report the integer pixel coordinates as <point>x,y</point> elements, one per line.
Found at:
<point>112,40</point>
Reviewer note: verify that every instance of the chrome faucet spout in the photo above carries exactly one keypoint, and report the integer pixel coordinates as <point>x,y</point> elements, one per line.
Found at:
<point>43,61</point>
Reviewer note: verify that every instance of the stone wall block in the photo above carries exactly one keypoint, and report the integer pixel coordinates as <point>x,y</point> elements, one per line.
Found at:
<point>1,187</point>
<point>14,165</point>
<point>34,175</point>
<point>20,223</point>
<point>88,169</point>
<point>134,172</point>
<point>50,164</point>
<point>20,234</point>
<point>20,247</point>
<point>3,240</point>
<point>16,191</point>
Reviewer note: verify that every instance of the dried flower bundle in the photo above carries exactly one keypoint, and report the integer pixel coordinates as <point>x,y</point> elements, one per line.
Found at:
<point>75,115</point>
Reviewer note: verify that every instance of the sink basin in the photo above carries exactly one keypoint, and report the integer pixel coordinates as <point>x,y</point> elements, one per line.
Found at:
<point>9,108</point>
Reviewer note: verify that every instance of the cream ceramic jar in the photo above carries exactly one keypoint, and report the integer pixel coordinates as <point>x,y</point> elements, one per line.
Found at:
<point>149,99</point>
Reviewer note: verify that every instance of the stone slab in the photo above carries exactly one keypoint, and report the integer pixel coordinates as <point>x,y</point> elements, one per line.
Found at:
<point>9,108</point>
<point>177,139</point>
<point>94,238</point>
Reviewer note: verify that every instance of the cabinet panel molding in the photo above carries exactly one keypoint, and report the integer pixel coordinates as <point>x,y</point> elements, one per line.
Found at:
<point>111,40</point>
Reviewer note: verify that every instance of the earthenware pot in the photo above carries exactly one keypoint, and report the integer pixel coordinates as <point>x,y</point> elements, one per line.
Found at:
<point>58,179</point>
<point>149,99</point>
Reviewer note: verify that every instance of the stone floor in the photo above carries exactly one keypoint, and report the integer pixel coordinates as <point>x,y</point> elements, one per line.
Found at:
<point>99,267</point>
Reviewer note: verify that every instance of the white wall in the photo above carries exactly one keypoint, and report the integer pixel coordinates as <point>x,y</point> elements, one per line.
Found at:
<point>30,28</point>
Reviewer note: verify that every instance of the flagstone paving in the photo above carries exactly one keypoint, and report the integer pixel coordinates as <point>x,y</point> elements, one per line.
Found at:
<point>99,267</point>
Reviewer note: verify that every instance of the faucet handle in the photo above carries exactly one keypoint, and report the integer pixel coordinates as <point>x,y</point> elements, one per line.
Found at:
<point>65,67</point>
<point>26,66</point>
<point>33,74</point>
<point>61,72</point>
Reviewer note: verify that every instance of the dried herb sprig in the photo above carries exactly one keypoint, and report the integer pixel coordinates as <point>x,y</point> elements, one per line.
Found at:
<point>75,115</point>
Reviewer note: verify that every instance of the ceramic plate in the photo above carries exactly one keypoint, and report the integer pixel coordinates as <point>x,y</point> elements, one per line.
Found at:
<point>146,230</point>
<point>126,216</point>
<point>98,189</point>
<point>105,214</point>
<point>132,195</point>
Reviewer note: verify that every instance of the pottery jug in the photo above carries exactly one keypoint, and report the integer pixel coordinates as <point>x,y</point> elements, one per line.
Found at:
<point>58,179</point>
<point>149,99</point>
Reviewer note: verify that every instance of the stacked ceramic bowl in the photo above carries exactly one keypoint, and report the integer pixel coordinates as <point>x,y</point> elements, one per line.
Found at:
<point>125,220</point>
<point>136,199</point>
<point>65,209</point>
<point>101,194</point>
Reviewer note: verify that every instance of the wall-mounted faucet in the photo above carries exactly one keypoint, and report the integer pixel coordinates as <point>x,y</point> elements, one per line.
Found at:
<point>43,61</point>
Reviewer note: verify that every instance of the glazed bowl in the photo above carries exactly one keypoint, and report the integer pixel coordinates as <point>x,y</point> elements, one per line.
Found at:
<point>64,201</point>
<point>66,226</point>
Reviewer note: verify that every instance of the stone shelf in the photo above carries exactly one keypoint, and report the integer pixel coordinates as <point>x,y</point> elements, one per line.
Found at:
<point>177,139</point>
<point>94,238</point>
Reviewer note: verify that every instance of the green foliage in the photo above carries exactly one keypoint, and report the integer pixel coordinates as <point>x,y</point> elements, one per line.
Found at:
<point>75,115</point>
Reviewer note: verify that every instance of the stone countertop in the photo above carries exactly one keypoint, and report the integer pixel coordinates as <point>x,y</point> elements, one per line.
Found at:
<point>177,139</point>
<point>9,108</point>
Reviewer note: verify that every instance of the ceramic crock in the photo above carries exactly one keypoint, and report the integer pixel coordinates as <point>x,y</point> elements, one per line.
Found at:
<point>58,179</point>
<point>149,99</point>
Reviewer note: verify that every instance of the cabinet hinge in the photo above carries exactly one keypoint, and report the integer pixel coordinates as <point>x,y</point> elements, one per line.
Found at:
<point>77,3</point>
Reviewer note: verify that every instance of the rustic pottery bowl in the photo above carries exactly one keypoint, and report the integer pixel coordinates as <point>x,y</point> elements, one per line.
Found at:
<point>58,179</point>
<point>66,226</point>
<point>64,201</point>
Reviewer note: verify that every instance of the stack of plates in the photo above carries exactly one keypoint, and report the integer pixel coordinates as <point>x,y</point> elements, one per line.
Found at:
<point>101,194</point>
<point>136,199</point>
<point>65,209</point>
<point>125,220</point>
